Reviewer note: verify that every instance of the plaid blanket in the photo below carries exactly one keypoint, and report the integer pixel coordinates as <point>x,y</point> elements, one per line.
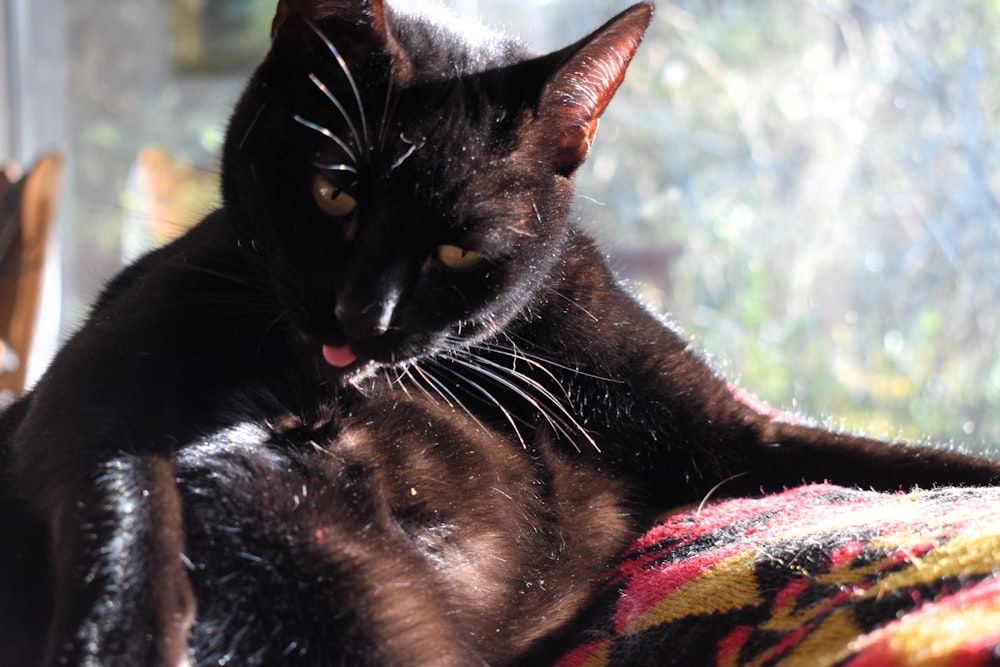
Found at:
<point>818,575</point>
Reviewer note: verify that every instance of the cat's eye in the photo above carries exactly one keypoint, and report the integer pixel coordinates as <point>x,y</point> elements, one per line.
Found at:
<point>457,258</point>
<point>333,200</point>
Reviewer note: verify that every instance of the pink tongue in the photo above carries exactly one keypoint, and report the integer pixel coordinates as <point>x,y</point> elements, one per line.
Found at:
<point>338,357</point>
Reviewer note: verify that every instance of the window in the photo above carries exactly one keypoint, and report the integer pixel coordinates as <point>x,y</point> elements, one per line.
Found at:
<point>810,188</point>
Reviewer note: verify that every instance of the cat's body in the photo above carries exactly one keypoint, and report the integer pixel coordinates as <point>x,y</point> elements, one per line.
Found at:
<point>388,405</point>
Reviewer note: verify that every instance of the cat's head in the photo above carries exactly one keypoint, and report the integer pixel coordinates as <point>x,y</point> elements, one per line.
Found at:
<point>407,180</point>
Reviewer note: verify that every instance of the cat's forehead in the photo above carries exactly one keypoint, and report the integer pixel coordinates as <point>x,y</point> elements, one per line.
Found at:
<point>422,43</point>
<point>432,66</point>
<point>441,45</point>
<point>450,117</point>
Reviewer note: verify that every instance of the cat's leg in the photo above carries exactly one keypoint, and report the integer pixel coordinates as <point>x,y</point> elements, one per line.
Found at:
<point>740,446</point>
<point>680,430</point>
<point>786,454</point>
<point>121,594</point>
<point>662,418</point>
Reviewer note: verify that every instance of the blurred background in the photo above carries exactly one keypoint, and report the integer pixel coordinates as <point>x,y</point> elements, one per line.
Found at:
<point>808,187</point>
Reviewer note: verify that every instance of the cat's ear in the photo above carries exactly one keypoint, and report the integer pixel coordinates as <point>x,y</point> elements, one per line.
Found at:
<point>591,70</point>
<point>363,12</point>
<point>370,16</point>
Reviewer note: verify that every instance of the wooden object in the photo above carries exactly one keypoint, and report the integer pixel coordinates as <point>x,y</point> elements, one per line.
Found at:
<point>27,208</point>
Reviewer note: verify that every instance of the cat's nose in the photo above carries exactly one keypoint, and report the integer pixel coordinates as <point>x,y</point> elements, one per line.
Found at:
<point>364,319</point>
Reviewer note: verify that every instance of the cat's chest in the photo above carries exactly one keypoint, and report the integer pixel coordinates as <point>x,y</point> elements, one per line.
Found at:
<point>393,472</point>
<point>403,494</point>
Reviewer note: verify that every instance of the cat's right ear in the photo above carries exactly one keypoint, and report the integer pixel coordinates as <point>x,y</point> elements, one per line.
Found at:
<point>586,78</point>
<point>363,12</point>
<point>360,15</point>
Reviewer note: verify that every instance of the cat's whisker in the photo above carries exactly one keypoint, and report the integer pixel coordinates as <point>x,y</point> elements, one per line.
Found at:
<point>359,143</point>
<point>566,418</point>
<point>406,155</point>
<point>350,79</point>
<point>485,393</point>
<point>387,110</point>
<point>714,489</point>
<point>434,386</point>
<point>402,385</point>
<point>515,351</point>
<point>266,330</point>
<point>442,389</point>
<point>253,124</point>
<point>388,380</point>
<point>507,337</point>
<point>335,167</point>
<point>494,327</point>
<point>438,388</point>
<point>328,134</point>
<point>540,362</point>
<point>517,355</point>
<point>423,390</point>
<point>573,303</point>
<point>560,423</point>
<point>229,277</point>
<point>359,384</point>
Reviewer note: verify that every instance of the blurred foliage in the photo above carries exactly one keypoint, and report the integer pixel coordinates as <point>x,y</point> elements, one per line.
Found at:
<point>828,171</point>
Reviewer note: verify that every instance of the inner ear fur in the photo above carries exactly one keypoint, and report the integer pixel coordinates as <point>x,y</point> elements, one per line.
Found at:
<point>583,83</point>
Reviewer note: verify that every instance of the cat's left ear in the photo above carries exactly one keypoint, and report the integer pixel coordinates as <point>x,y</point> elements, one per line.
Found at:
<point>575,96</point>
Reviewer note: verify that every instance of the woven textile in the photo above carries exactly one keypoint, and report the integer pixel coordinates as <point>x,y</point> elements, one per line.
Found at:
<point>818,575</point>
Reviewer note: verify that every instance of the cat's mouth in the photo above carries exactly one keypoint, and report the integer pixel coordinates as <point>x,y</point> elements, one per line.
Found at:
<point>359,359</point>
<point>353,358</point>
<point>339,356</point>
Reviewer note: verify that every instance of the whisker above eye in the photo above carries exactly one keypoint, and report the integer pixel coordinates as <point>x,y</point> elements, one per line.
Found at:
<point>335,167</point>
<point>359,143</point>
<point>406,155</point>
<point>387,111</point>
<point>350,80</point>
<point>328,134</point>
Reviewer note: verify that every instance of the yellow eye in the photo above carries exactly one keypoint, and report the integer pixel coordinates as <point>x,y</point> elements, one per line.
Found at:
<point>457,258</point>
<point>332,200</point>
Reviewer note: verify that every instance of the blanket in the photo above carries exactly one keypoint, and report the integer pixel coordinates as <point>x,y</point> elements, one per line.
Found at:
<point>816,576</point>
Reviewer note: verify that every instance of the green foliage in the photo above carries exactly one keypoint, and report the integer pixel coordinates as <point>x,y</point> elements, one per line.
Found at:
<point>829,174</point>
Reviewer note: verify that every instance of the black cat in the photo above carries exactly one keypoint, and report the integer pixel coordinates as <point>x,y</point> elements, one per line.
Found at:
<point>387,406</point>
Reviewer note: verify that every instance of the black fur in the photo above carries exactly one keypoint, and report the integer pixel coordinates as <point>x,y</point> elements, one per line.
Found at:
<point>191,480</point>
